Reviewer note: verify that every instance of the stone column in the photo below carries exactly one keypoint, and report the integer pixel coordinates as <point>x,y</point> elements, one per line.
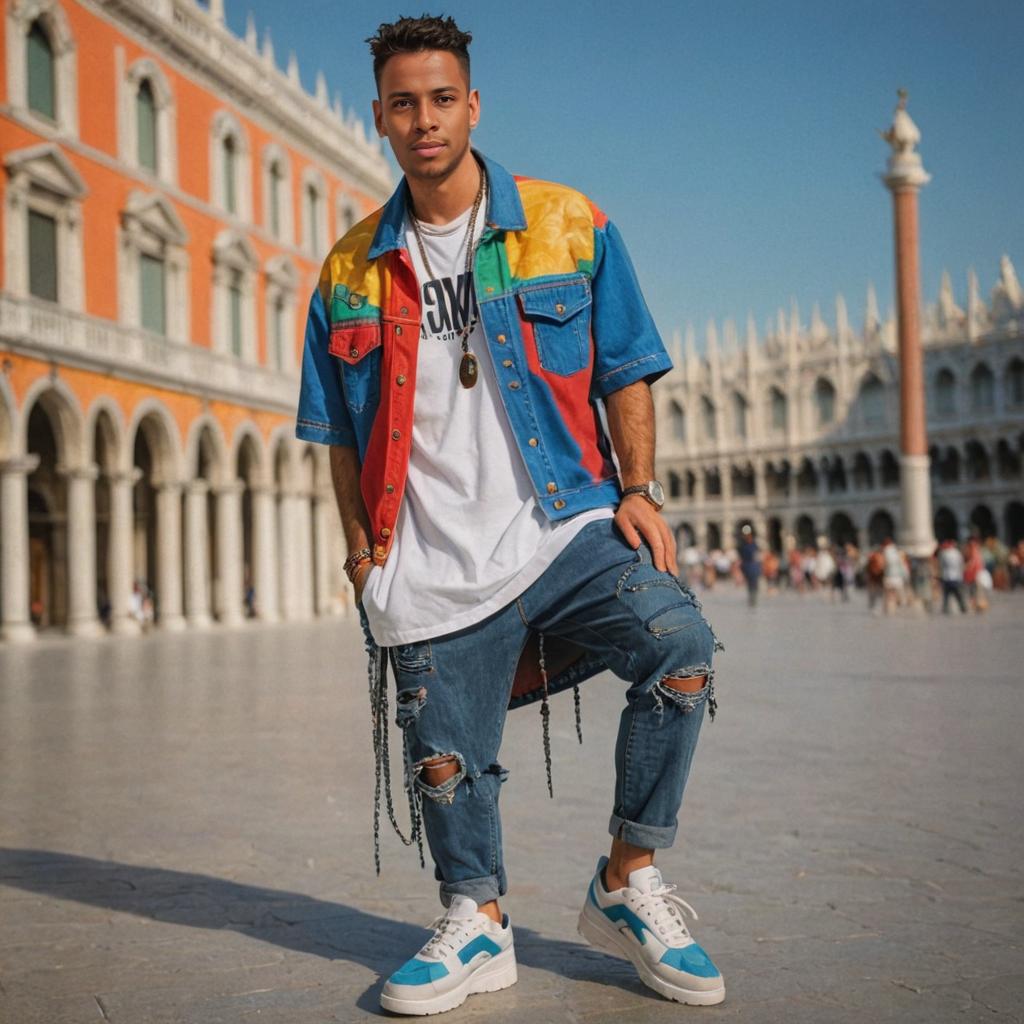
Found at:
<point>265,560</point>
<point>81,558</point>
<point>728,525</point>
<point>904,177</point>
<point>120,554</point>
<point>229,552</point>
<point>15,621</point>
<point>197,555</point>
<point>168,555</point>
<point>286,556</point>
<point>323,505</point>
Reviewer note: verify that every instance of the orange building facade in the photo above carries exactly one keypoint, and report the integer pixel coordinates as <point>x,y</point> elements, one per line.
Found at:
<point>167,197</point>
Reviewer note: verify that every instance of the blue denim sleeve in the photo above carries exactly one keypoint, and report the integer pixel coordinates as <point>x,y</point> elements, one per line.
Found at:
<point>627,346</point>
<point>322,415</point>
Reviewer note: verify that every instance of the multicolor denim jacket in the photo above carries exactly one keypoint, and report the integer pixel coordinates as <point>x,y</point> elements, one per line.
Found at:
<point>566,325</point>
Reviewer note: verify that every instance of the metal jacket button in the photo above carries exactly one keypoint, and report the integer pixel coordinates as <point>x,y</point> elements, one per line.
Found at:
<point>390,488</point>
<point>501,339</point>
<point>506,362</point>
<point>400,379</point>
<point>395,435</point>
<point>385,532</point>
<point>353,351</point>
<point>398,329</point>
<point>533,442</point>
<point>551,487</point>
<point>559,504</point>
<point>514,385</point>
<point>405,310</point>
<point>559,308</point>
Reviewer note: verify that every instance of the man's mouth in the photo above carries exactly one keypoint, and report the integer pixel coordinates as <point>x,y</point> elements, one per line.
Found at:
<point>428,148</point>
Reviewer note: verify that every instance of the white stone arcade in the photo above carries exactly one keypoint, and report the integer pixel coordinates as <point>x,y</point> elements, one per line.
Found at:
<point>114,525</point>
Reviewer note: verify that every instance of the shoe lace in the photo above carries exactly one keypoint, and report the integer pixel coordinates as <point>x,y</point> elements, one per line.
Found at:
<point>664,910</point>
<point>448,932</point>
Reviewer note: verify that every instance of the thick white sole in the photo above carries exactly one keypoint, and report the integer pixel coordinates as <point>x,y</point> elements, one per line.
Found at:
<point>499,972</point>
<point>601,934</point>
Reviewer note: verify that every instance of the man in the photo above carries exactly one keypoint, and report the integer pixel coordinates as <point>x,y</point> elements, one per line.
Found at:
<point>496,554</point>
<point>750,563</point>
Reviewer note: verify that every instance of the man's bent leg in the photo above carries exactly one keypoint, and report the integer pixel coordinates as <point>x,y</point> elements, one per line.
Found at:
<point>452,699</point>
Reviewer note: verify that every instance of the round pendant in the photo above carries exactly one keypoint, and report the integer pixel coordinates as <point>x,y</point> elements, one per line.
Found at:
<point>467,370</point>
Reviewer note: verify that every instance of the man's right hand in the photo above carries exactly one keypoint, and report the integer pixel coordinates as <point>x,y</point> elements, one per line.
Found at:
<point>359,579</point>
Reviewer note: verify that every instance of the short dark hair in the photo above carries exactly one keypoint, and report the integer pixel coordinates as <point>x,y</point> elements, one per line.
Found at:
<point>413,35</point>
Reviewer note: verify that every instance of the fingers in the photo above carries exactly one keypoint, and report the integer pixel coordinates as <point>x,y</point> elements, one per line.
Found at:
<point>627,529</point>
<point>637,519</point>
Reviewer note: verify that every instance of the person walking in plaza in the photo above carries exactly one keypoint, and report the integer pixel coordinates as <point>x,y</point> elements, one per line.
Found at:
<point>951,574</point>
<point>750,563</point>
<point>894,576</point>
<point>497,555</point>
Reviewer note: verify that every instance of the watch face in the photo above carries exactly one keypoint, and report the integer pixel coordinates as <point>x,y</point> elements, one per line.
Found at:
<point>657,492</point>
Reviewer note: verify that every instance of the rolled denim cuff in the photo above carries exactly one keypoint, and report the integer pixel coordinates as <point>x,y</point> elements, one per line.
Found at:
<point>481,890</point>
<point>650,837</point>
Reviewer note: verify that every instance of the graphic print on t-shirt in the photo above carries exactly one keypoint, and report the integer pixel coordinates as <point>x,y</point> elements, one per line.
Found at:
<point>448,306</point>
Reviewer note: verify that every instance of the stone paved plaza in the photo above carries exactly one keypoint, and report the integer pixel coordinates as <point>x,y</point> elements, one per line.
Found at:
<point>185,829</point>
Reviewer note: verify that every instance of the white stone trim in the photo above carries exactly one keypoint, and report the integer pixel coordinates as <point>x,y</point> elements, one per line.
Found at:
<point>233,252</point>
<point>273,153</point>
<point>128,82</point>
<point>21,14</point>
<point>42,178</point>
<point>225,124</point>
<point>150,225</point>
<point>315,248</point>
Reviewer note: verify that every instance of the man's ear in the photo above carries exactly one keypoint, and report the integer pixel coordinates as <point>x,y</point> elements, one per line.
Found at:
<point>474,108</point>
<point>378,123</point>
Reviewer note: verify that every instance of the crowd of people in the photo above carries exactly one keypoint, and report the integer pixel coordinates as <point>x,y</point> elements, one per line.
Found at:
<point>957,575</point>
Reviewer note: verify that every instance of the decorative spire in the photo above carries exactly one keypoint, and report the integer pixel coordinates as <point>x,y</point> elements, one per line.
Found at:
<point>251,38</point>
<point>950,315</point>
<point>904,169</point>
<point>336,107</point>
<point>753,351</point>
<point>795,327</point>
<point>268,48</point>
<point>872,320</point>
<point>731,340</point>
<point>711,342</point>
<point>974,307</point>
<point>842,321</point>
<point>293,69</point>
<point>321,94</point>
<point>217,11</point>
<point>819,332</point>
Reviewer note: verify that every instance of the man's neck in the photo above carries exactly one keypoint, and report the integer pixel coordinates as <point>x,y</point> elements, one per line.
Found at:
<point>441,201</point>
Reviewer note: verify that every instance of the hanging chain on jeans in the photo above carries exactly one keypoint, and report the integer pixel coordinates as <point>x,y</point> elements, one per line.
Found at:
<point>468,367</point>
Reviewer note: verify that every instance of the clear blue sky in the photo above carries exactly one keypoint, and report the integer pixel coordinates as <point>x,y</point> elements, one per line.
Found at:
<point>734,143</point>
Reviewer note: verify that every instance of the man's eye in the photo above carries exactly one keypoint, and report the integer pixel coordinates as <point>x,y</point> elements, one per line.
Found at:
<point>400,103</point>
<point>445,99</point>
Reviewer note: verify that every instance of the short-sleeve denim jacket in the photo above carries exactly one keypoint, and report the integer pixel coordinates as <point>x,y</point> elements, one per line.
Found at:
<point>564,321</point>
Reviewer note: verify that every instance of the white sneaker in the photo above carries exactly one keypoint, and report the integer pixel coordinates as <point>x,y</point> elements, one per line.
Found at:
<point>644,923</point>
<point>468,953</point>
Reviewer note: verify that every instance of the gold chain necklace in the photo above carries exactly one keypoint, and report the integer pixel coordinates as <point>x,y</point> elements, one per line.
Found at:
<point>468,367</point>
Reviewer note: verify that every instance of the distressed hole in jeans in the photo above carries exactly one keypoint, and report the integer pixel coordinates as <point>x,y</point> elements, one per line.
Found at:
<point>411,659</point>
<point>444,791</point>
<point>409,704</point>
<point>673,619</point>
<point>685,700</point>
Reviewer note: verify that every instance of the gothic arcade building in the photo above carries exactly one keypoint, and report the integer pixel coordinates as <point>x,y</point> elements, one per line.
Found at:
<point>168,195</point>
<point>798,435</point>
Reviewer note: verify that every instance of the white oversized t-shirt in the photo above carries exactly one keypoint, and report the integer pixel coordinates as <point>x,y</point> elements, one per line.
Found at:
<point>470,535</point>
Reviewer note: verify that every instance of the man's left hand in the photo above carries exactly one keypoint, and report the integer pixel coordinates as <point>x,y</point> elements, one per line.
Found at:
<point>638,519</point>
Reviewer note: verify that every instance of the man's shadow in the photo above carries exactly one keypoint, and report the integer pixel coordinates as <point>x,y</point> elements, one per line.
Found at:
<point>292,920</point>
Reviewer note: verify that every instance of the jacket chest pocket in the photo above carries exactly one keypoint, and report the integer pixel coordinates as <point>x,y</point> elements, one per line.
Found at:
<point>357,345</point>
<point>559,314</point>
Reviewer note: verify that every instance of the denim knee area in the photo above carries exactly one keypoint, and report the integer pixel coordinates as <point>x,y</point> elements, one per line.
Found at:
<point>676,641</point>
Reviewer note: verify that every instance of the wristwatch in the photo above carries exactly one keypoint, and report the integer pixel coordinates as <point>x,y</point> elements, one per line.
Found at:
<point>652,491</point>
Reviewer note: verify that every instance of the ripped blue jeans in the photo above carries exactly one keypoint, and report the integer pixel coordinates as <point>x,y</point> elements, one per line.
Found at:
<point>453,693</point>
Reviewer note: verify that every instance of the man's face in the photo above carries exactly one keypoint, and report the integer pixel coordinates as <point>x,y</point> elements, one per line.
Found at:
<point>426,110</point>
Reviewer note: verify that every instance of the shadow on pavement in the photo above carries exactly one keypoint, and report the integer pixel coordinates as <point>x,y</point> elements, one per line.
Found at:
<point>289,919</point>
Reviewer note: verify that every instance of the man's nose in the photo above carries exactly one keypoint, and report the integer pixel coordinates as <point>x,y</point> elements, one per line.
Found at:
<point>425,119</point>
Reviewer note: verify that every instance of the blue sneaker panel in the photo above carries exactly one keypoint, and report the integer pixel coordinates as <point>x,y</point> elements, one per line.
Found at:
<point>480,944</point>
<point>691,959</point>
<point>418,972</point>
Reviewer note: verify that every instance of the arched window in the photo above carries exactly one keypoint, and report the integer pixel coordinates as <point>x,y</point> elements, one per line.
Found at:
<point>229,173</point>
<point>675,486</point>
<point>872,401</point>
<point>42,88</point>
<point>277,191</point>
<point>145,126</point>
<point>889,469</point>
<point>825,400</point>
<point>677,421</point>
<point>1015,382</point>
<point>314,212</point>
<point>945,393</point>
<point>274,199</point>
<point>313,218</point>
<point>708,413</point>
<point>983,389</point>
<point>779,411</point>
<point>739,410</point>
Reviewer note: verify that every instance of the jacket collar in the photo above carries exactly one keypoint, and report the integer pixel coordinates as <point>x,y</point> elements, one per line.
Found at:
<point>504,209</point>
